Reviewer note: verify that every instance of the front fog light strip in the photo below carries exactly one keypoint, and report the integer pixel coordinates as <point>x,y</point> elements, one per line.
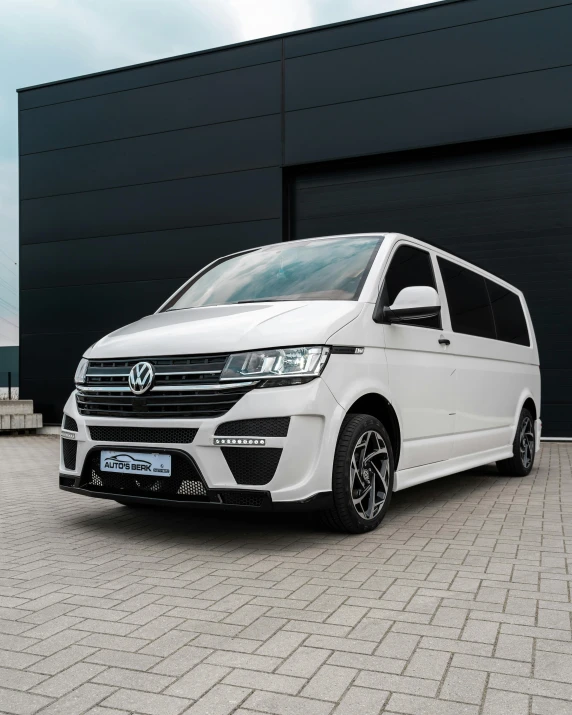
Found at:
<point>248,441</point>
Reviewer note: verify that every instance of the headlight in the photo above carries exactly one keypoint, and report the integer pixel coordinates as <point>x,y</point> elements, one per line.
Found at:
<point>81,371</point>
<point>278,366</point>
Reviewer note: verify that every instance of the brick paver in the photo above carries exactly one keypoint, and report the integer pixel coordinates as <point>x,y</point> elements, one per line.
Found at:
<point>459,603</point>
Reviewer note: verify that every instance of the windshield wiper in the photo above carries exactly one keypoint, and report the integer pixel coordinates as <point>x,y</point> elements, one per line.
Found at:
<point>236,302</point>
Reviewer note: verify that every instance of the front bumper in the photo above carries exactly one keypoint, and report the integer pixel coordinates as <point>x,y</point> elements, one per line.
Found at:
<point>303,473</point>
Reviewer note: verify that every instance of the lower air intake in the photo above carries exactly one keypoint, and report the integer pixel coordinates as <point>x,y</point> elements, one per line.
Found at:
<point>237,498</point>
<point>69,423</point>
<point>144,435</point>
<point>69,452</point>
<point>260,427</point>
<point>252,465</point>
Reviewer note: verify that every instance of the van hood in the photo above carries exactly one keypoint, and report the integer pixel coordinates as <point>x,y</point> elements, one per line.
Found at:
<point>228,328</point>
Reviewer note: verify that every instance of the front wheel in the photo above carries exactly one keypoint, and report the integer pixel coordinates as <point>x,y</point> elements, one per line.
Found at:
<point>523,447</point>
<point>362,478</point>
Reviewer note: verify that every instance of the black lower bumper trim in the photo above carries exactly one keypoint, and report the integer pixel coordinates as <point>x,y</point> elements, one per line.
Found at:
<point>225,499</point>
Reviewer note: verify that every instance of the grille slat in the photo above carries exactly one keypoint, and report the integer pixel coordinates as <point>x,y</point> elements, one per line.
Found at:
<point>203,370</point>
<point>157,435</point>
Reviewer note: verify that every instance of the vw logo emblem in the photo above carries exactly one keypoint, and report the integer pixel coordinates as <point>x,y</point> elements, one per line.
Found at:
<point>141,378</point>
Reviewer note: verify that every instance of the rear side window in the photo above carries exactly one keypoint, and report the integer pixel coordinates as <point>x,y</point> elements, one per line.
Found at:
<point>469,305</point>
<point>508,314</point>
<point>409,267</point>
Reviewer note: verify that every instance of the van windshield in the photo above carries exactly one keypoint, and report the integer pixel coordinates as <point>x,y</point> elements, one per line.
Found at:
<point>326,269</point>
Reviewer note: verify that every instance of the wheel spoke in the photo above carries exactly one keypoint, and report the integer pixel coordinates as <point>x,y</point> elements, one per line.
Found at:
<point>359,501</point>
<point>365,437</point>
<point>376,453</point>
<point>353,472</point>
<point>371,505</point>
<point>382,473</point>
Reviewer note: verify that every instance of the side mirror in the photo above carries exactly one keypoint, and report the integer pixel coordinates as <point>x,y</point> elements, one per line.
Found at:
<point>413,303</point>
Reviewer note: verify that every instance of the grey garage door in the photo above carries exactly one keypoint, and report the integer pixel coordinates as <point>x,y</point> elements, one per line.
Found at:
<point>505,206</point>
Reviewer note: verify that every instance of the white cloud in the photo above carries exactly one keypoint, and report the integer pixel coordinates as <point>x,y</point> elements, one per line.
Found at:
<point>256,18</point>
<point>46,40</point>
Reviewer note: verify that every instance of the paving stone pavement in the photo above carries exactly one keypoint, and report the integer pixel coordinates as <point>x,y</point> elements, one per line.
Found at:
<point>459,604</point>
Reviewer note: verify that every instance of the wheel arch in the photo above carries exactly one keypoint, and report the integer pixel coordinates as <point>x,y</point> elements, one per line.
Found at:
<point>376,405</point>
<point>527,401</point>
<point>530,405</point>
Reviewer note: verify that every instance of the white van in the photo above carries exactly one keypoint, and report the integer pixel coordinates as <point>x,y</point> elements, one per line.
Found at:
<point>320,374</point>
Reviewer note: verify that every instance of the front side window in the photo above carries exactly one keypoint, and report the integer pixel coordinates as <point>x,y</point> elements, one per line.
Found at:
<point>469,305</point>
<point>509,317</point>
<point>325,269</point>
<point>409,267</point>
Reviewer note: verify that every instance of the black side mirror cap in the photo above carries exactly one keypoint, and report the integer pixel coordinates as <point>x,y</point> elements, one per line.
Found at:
<point>384,314</point>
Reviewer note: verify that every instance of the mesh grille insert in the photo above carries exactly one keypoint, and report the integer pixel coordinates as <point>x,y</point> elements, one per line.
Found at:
<point>158,435</point>
<point>184,484</point>
<point>237,498</point>
<point>252,465</point>
<point>70,424</point>
<point>265,427</point>
<point>69,451</point>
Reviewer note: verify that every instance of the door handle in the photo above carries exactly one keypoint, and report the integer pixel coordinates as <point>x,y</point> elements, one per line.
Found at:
<point>444,341</point>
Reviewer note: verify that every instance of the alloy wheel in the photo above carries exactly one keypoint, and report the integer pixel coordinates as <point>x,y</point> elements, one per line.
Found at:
<point>369,475</point>
<point>526,442</point>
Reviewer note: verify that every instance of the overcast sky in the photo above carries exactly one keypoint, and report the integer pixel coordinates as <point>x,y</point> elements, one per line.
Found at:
<point>46,40</point>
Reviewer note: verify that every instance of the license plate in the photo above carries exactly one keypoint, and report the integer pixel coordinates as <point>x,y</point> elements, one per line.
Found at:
<point>155,465</point>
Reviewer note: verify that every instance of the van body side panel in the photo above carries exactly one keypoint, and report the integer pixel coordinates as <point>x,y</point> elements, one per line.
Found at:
<point>488,392</point>
<point>422,382</point>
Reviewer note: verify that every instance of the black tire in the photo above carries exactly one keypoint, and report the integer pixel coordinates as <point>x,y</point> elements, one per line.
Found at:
<point>345,516</point>
<point>522,460</point>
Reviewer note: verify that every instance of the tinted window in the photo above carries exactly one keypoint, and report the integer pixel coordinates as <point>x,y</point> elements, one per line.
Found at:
<point>468,299</point>
<point>409,267</point>
<point>328,269</point>
<point>508,314</point>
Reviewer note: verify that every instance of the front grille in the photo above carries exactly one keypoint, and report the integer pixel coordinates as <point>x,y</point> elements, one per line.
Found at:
<point>146,435</point>
<point>238,498</point>
<point>184,387</point>
<point>70,424</point>
<point>157,405</point>
<point>265,427</point>
<point>69,451</point>
<point>184,484</point>
<point>252,465</point>
<point>177,370</point>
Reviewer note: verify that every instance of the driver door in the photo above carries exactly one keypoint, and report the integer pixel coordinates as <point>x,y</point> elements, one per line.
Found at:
<point>421,371</point>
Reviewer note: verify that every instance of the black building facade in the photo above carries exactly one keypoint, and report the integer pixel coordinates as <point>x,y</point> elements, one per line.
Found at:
<point>450,122</point>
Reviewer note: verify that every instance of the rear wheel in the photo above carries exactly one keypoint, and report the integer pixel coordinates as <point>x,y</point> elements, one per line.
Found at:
<point>522,460</point>
<point>362,478</point>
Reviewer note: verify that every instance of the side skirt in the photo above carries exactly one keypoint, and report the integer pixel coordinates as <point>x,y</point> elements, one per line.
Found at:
<point>417,475</point>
